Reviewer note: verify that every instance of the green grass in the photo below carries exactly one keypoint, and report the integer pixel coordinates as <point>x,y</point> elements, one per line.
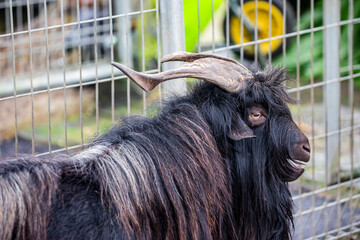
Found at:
<point>73,128</point>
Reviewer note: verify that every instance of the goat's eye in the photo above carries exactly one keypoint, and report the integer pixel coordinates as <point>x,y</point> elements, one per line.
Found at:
<point>256,115</point>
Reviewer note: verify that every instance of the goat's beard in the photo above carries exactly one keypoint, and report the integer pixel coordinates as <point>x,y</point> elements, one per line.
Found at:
<point>286,168</point>
<point>262,200</point>
<point>291,169</point>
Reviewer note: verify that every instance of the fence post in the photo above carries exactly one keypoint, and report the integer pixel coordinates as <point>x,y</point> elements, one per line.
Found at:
<point>332,90</point>
<point>124,48</point>
<point>172,40</point>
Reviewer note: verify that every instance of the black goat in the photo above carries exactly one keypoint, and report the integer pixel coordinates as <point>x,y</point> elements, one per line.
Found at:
<point>211,165</point>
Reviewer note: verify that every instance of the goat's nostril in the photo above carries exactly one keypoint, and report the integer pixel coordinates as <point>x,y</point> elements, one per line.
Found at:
<point>306,147</point>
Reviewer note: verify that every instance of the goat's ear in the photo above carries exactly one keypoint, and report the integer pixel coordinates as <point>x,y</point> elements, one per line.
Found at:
<point>238,129</point>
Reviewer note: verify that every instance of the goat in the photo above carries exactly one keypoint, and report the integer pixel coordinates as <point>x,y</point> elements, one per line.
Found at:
<point>213,164</point>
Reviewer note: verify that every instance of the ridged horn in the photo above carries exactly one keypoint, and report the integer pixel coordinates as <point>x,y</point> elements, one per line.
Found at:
<point>224,72</point>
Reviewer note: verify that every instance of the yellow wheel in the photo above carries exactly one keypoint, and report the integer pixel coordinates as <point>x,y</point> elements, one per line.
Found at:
<point>266,26</point>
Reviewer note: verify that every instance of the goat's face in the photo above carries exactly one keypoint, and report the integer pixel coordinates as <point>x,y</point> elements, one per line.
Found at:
<point>287,145</point>
<point>263,107</point>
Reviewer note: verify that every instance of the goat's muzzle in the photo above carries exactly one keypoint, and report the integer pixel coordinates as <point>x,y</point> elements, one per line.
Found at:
<point>299,153</point>
<point>300,150</point>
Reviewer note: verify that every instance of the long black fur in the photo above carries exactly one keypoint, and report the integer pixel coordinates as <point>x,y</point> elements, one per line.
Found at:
<point>175,176</point>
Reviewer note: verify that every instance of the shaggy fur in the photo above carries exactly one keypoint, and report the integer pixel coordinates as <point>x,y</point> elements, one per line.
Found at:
<point>175,176</point>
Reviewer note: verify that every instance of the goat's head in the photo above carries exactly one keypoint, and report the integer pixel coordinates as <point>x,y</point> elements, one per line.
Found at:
<point>253,106</point>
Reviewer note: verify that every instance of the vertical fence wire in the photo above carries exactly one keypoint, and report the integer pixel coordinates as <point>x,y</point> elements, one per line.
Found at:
<point>14,76</point>
<point>339,212</point>
<point>256,34</point>
<point>158,47</point>
<point>31,79</point>
<point>80,70</point>
<point>312,101</point>
<point>212,26</point>
<point>128,60</point>
<point>352,105</point>
<point>199,26</point>
<point>298,99</point>
<point>242,31</point>
<point>112,88</point>
<point>143,51</point>
<point>96,69</point>
<point>270,30</point>
<point>227,40</point>
<point>63,54</point>
<point>48,75</point>
<point>284,33</point>
<point>326,130</point>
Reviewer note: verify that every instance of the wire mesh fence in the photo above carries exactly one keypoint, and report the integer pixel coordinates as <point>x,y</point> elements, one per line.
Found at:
<point>58,89</point>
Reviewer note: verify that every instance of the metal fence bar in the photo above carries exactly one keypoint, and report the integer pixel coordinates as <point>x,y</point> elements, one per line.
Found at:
<point>172,40</point>
<point>298,94</point>
<point>212,26</point>
<point>325,189</point>
<point>124,47</point>
<point>48,76</point>
<point>143,52</point>
<point>199,26</point>
<point>326,205</point>
<point>158,46</point>
<point>17,3</point>
<point>155,71</point>
<point>31,81</point>
<point>339,212</point>
<point>270,31</point>
<point>320,236</point>
<point>312,100</point>
<point>241,31</point>
<point>112,60</point>
<point>284,33</point>
<point>302,32</point>
<point>332,98</point>
<point>351,103</point>
<point>96,69</point>
<point>14,76</point>
<point>76,23</point>
<point>80,70</point>
<point>128,50</point>
<point>64,72</point>
<point>256,60</point>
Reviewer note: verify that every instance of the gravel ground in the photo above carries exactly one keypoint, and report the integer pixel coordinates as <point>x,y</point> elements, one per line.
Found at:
<point>328,215</point>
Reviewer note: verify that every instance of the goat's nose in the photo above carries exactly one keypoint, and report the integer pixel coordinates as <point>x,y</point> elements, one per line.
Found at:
<point>305,151</point>
<point>306,147</point>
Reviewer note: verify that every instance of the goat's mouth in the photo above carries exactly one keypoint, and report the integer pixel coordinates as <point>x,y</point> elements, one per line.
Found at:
<point>297,168</point>
<point>299,155</point>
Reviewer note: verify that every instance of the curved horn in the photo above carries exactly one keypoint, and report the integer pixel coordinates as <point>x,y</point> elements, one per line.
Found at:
<point>224,72</point>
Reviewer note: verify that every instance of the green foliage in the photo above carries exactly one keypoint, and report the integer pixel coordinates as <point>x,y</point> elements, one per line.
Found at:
<point>191,19</point>
<point>191,30</point>
<point>302,53</point>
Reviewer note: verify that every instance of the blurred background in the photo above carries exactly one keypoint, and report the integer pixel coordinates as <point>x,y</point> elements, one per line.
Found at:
<point>58,89</point>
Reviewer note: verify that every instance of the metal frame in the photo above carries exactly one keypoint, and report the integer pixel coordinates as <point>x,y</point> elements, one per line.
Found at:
<point>168,25</point>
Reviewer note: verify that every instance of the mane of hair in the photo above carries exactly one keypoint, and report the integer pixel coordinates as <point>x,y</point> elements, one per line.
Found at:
<point>161,177</point>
